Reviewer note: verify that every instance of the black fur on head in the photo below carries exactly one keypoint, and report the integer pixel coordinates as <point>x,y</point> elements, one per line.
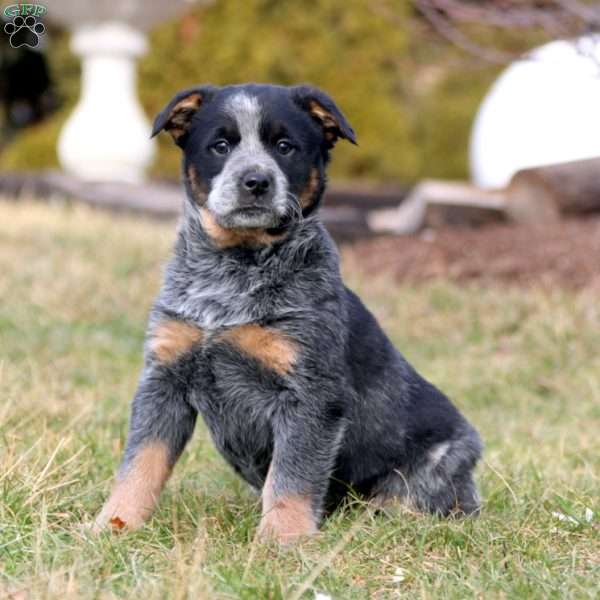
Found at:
<point>254,156</point>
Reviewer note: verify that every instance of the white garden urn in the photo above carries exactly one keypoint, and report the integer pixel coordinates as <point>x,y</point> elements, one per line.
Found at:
<point>107,137</point>
<point>542,110</point>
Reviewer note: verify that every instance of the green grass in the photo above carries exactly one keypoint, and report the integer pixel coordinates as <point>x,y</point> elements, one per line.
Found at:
<point>524,365</point>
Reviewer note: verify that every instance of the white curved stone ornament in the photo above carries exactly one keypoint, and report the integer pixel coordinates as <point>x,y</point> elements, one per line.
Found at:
<point>542,110</point>
<point>107,137</point>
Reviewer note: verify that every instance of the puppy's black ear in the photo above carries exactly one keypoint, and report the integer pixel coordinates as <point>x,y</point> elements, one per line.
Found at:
<point>325,112</point>
<point>176,117</point>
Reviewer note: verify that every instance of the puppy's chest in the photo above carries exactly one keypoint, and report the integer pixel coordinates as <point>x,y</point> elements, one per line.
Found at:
<point>230,301</point>
<point>240,381</point>
<point>239,369</point>
<point>233,336</point>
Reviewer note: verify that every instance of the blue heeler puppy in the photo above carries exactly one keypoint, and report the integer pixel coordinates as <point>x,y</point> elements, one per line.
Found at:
<point>302,392</point>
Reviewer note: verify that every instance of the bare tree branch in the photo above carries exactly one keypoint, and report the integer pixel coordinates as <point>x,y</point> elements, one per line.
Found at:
<point>556,18</point>
<point>495,13</point>
<point>589,14</point>
<point>454,35</point>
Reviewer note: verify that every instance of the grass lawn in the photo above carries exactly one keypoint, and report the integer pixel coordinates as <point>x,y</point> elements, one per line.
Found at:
<point>524,365</point>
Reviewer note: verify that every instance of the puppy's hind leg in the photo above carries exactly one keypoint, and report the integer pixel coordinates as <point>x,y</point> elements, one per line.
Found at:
<point>441,482</point>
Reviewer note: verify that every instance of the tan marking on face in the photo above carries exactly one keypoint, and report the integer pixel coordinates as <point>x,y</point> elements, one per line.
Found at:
<point>192,101</point>
<point>171,339</point>
<point>199,191</point>
<point>180,115</point>
<point>308,193</point>
<point>326,118</point>
<point>328,121</point>
<point>135,494</point>
<point>228,238</point>
<point>271,348</point>
<point>285,518</point>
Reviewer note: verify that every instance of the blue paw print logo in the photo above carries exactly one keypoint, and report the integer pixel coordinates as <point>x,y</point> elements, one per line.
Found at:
<point>24,31</point>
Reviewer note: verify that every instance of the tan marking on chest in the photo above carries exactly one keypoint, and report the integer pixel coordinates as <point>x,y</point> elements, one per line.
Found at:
<point>171,339</point>
<point>135,494</point>
<point>228,238</point>
<point>271,348</point>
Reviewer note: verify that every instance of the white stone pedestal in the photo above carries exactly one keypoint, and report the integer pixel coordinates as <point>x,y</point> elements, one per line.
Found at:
<point>107,137</point>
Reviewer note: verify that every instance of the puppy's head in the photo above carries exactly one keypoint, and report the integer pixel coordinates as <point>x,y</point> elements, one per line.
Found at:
<point>254,156</point>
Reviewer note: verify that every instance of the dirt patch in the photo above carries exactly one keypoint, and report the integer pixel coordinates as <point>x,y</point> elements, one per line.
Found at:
<point>565,254</point>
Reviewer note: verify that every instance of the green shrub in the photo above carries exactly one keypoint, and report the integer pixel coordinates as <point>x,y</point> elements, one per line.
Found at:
<point>445,122</point>
<point>35,147</point>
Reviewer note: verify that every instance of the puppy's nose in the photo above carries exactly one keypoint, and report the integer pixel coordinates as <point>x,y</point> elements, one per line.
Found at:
<point>256,183</point>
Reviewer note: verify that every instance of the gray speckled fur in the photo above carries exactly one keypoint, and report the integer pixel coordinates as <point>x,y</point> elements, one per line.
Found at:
<point>351,414</point>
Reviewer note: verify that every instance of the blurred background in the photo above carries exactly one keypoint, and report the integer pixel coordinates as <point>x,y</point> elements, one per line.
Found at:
<point>468,113</point>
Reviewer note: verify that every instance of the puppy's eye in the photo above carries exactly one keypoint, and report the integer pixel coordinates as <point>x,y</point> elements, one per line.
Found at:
<point>221,147</point>
<point>284,147</point>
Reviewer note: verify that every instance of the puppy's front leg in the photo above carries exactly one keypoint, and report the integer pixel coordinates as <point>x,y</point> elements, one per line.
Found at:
<point>306,441</point>
<point>161,423</point>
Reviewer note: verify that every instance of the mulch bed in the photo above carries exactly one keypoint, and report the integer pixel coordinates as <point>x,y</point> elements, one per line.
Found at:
<point>565,254</point>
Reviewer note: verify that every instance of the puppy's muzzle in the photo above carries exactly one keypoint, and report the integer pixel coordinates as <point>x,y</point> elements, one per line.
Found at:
<point>255,189</point>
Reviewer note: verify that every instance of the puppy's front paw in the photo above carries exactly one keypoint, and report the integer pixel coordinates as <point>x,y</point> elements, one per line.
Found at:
<point>288,520</point>
<point>135,494</point>
<point>103,522</point>
<point>128,508</point>
<point>118,518</point>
